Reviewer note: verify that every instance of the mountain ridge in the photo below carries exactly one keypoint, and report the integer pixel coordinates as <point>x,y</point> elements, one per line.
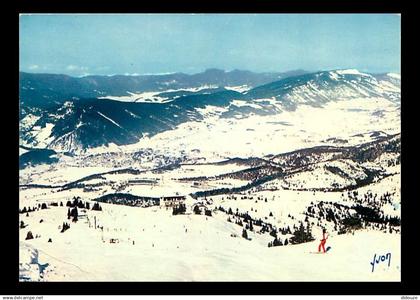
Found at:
<point>46,90</point>
<point>92,122</point>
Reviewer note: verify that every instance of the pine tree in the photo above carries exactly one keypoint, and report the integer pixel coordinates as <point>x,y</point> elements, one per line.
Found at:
<point>273,233</point>
<point>75,214</point>
<point>277,242</point>
<point>244,234</point>
<point>301,235</point>
<point>29,236</point>
<point>309,236</point>
<point>197,210</point>
<point>96,206</point>
<point>65,227</point>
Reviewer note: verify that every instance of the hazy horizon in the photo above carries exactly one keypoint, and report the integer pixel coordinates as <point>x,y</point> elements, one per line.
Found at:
<point>194,73</point>
<point>95,44</point>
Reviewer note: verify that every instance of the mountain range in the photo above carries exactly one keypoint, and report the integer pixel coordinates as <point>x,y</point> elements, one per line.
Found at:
<point>46,90</point>
<point>64,113</point>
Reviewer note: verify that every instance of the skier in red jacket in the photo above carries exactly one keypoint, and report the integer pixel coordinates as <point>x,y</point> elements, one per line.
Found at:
<point>323,241</point>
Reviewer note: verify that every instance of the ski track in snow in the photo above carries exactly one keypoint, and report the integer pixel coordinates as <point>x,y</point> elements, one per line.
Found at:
<point>110,120</point>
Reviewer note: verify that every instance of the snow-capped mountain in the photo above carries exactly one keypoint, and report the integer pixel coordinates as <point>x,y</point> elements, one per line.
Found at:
<point>92,122</point>
<point>322,87</point>
<point>96,122</point>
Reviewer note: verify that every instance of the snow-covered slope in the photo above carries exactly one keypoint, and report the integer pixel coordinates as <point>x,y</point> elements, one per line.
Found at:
<point>218,137</point>
<point>163,247</point>
<point>165,96</point>
<point>79,124</point>
<point>208,248</point>
<point>321,87</point>
<point>279,162</point>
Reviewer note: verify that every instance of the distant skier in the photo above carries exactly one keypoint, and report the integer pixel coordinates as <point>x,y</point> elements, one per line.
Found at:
<point>323,241</point>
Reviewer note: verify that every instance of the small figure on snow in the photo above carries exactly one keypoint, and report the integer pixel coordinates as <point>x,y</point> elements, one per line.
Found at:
<point>323,241</point>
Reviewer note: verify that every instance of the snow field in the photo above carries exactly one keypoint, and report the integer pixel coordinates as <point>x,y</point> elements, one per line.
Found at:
<point>163,251</point>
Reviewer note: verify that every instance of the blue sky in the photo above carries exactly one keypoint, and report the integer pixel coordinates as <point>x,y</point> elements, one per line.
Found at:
<point>159,43</point>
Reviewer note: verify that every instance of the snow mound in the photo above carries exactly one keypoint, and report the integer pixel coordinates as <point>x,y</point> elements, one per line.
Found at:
<point>29,267</point>
<point>394,75</point>
<point>350,72</point>
<point>238,88</point>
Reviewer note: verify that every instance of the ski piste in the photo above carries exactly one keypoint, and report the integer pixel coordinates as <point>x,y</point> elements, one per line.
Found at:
<point>321,252</point>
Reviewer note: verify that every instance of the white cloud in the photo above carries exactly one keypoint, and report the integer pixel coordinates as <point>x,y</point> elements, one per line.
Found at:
<point>33,67</point>
<point>76,68</point>
<point>84,75</point>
